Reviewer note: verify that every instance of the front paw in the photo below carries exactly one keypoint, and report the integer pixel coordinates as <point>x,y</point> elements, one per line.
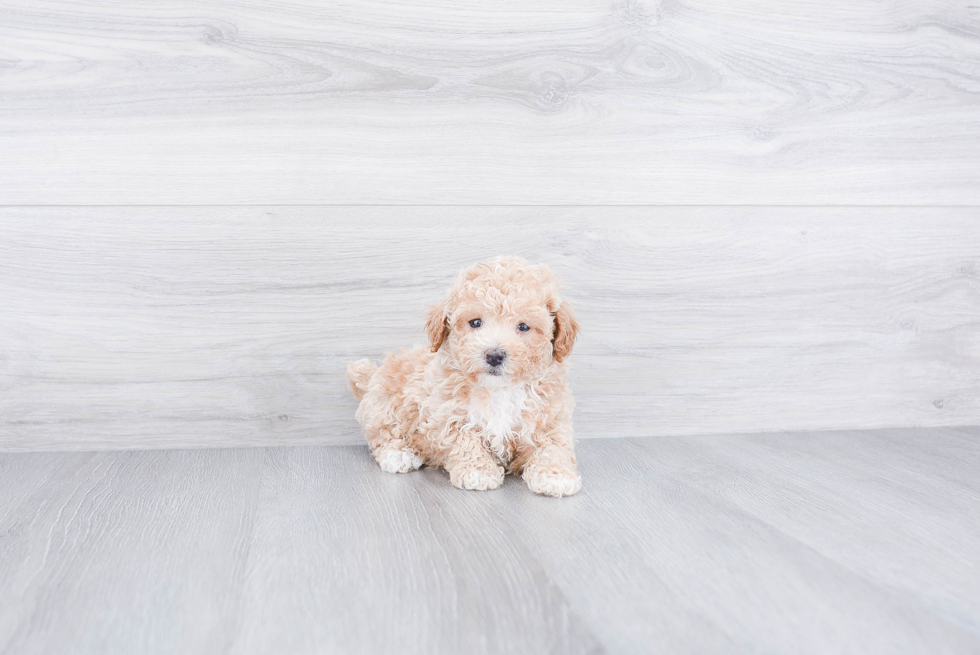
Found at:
<point>555,482</point>
<point>482,478</point>
<point>397,460</point>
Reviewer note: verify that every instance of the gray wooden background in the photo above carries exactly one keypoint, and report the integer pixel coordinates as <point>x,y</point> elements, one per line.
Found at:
<point>767,214</point>
<point>220,326</point>
<point>510,101</point>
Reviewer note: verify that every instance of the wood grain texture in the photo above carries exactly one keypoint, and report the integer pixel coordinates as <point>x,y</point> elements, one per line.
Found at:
<point>166,327</point>
<point>559,102</point>
<point>847,542</point>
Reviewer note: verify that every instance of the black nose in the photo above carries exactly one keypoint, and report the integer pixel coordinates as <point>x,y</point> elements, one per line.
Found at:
<point>496,357</point>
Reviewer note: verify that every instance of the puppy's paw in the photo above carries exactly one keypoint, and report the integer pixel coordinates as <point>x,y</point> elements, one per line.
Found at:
<point>396,460</point>
<point>477,478</point>
<point>552,481</point>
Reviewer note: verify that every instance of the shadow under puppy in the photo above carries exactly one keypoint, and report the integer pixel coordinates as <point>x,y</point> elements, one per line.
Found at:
<point>489,394</point>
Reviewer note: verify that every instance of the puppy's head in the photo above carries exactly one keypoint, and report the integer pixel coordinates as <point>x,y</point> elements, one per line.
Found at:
<point>503,320</point>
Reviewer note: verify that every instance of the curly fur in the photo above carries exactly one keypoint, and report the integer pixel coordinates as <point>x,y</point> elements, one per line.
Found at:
<point>447,405</point>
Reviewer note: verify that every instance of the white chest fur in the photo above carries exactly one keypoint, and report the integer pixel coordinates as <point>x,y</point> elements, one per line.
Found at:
<point>496,411</point>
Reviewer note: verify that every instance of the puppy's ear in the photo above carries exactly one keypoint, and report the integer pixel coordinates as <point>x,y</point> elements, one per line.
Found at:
<point>437,324</point>
<point>566,329</point>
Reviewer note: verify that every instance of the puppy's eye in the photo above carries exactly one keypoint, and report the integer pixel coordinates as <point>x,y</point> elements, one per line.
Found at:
<point>523,327</point>
<point>475,323</point>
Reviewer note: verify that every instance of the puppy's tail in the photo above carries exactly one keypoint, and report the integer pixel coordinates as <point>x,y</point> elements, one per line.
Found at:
<point>358,375</point>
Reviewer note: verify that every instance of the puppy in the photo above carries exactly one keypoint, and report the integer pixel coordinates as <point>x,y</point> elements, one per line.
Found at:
<point>488,395</point>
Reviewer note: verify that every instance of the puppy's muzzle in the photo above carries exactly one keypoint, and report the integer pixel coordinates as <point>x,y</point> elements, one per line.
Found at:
<point>495,359</point>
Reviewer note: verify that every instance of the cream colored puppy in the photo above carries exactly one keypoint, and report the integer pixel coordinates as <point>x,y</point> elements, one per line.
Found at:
<point>489,394</point>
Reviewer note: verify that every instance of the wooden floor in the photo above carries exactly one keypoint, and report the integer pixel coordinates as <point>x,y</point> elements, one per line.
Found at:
<point>835,542</point>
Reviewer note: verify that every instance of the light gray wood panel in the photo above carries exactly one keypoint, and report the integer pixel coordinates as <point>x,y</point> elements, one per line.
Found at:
<point>565,101</point>
<point>167,327</point>
<point>828,555</point>
<point>853,542</point>
<point>145,554</point>
<point>397,564</point>
<point>801,485</point>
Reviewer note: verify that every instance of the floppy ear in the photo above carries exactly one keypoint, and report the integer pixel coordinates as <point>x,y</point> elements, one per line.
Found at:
<point>437,324</point>
<point>566,329</point>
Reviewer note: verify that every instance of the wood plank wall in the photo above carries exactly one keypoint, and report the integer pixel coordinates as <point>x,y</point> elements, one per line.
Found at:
<point>767,213</point>
<point>504,102</point>
<point>156,327</point>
